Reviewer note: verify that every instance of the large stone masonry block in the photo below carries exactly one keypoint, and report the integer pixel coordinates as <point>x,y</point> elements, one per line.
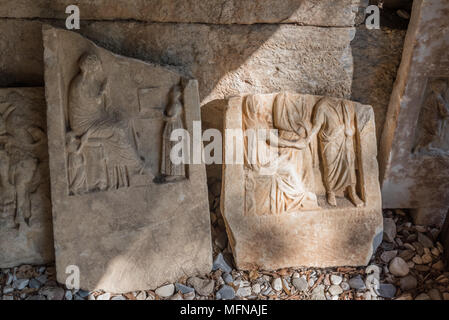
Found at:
<point>414,150</point>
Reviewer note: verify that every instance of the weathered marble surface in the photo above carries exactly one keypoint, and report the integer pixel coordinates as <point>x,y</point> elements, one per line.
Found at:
<point>26,235</point>
<point>306,12</point>
<point>226,60</point>
<point>414,151</point>
<point>297,227</point>
<point>113,216</point>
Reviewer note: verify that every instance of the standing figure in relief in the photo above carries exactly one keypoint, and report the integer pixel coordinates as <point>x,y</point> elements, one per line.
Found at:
<point>76,164</point>
<point>334,122</point>
<point>173,117</point>
<point>435,119</point>
<point>294,183</point>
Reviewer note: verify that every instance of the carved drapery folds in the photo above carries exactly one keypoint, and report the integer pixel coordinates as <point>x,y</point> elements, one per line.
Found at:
<point>102,142</point>
<point>299,148</point>
<point>23,156</point>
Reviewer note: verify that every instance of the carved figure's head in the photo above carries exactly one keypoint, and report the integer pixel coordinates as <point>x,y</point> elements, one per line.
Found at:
<point>438,86</point>
<point>72,142</point>
<point>90,63</point>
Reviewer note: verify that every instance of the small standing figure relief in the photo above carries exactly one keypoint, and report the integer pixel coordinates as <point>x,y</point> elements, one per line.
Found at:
<point>173,117</point>
<point>334,122</point>
<point>435,116</point>
<point>76,165</point>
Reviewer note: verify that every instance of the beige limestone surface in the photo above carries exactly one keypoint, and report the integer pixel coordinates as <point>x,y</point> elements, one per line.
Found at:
<point>26,235</point>
<point>338,13</point>
<point>414,150</point>
<point>313,201</point>
<point>128,219</point>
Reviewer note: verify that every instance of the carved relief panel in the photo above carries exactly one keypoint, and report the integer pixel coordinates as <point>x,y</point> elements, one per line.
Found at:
<point>104,143</point>
<point>300,153</point>
<point>25,209</point>
<point>123,211</point>
<point>306,192</point>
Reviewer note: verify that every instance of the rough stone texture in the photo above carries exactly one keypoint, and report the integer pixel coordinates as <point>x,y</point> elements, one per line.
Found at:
<point>24,179</point>
<point>138,233</point>
<point>377,55</point>
<point>342,236</point>
<point>337,13</point>
<point>226,60</point>
<point>413,174</point>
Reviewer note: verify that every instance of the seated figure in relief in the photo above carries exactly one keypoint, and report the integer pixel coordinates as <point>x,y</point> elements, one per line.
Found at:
<point>290,167</point>
<point>105,130</point>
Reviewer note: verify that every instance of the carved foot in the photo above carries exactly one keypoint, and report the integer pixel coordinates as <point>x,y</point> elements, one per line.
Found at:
<point>331,199</point>
<point>354,198</point>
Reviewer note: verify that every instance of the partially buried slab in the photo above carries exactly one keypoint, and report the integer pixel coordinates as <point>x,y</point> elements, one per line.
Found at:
<point>126,215</point>
<point>306,194</point>
<point>25,208</point>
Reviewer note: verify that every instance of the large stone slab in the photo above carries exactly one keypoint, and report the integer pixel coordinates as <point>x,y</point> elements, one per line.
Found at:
<point>123,213</point>
<point>26,235</point>
<point>314,201</point>
<point>414,152</point>
<point>307,12</point>
<point>226,60</point>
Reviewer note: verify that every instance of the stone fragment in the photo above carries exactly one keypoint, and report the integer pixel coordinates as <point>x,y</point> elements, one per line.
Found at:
<point>256,288</point>
<point>445,295</point>
<point>303,225</point>
<point>183,289</point>
<point>68,295</point>
<point>276,284</point>
<point>413,153</point>
<point>386,290</point>
<point>389,229</point>
<point>408,283</point>
<point>104,296</point>
<point>203,287</point>
<point>386,256</point>
<point>434,294</point>
<point>335,290</point>
<point>357,283</point>
<point>165,291</point>
<point>398,267</point>
<point>423,296</point>
<point>20,284</point>
<point>345,286</point>
<point>336,279</point>
<point>221,264</point>
<point>425,240</point>
<point>318,293</point>
<point>25,229</point>
<point>244,292</point>
<point>405,296</point>
<point>52,293</point>
<point>300,284</point>
<point>439,266</point>
<point>133,224</point>
<point>225,293</point>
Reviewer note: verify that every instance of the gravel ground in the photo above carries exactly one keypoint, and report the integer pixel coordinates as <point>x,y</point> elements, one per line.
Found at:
<point>407,266</point>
